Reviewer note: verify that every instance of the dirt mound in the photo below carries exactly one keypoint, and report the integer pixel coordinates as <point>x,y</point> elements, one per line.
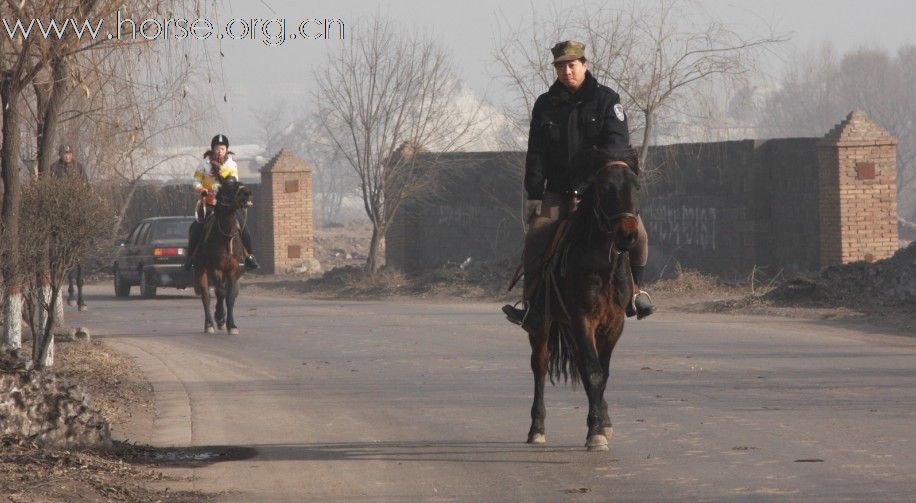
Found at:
<point>41,408</point>
<point>888,282</point>
<point>471,280</point>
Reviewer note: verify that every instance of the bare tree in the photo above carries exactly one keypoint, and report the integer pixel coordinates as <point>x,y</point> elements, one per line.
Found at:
<point>655,54</point>
<point>821,86</point>
<point>53,67</point>
<point>383,97</point>
<point>61,220</point>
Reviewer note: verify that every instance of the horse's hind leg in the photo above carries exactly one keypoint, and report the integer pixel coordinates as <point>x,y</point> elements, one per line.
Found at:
<point>232,294</point>
<point>539,355</point>
<point>204,289</point>
<point>79,288</point>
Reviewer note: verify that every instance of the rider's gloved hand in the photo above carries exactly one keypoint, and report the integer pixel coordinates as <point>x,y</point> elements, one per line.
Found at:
<point>533,208</point>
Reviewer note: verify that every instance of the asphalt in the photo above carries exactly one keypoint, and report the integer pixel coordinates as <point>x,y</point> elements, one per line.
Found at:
<point>344,401</point>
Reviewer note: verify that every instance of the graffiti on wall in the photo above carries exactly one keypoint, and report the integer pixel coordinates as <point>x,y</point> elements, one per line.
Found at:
<point>455,216</point>
<point>681,226</point>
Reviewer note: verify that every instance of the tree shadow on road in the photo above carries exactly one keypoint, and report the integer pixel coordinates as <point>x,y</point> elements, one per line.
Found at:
<point>403,451</point>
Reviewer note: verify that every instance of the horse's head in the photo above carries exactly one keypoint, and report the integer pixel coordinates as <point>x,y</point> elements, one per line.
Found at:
<point>610,180</point>
<point>233,195</point>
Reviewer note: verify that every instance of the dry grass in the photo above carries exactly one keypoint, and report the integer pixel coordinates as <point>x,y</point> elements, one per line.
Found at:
<point>30,473</point>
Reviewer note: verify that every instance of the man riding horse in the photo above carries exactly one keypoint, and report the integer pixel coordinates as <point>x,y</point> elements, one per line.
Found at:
<point>576,114</point>
<point>216,167</point>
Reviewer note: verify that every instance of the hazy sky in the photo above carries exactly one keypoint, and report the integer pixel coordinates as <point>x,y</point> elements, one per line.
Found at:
<point>256,75</point>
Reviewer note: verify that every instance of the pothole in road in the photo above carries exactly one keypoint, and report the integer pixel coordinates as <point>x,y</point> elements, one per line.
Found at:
<point>188,456</point>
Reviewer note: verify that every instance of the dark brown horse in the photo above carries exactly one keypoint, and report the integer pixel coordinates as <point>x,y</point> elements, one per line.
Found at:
<point>585,290</point>
<point>219,253</point>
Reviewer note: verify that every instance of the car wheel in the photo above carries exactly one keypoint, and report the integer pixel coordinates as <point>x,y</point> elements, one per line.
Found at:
<point>147,288</point>
<point>121,287</point>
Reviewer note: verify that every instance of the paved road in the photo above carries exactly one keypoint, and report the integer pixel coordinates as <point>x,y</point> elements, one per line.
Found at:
<point>398,401</point>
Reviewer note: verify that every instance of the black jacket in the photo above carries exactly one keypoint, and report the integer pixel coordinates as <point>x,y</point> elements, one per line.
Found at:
<point>75,170</point>
<point>563,124</point>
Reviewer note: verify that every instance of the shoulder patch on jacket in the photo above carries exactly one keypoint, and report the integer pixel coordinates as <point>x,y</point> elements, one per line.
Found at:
<point>618,111</point>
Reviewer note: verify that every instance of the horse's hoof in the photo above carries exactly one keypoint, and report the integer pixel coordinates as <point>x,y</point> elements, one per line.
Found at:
<point>609,432</point>
<point>83,308</point>
<point>71,302</point>
<point>219,326</point>
<point>209,330</point>
<point>537,438</point>
<point>596,443</point>
<point>233,331</point>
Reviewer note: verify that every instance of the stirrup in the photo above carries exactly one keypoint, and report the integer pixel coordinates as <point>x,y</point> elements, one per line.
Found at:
<point>636,311</point>
<point>511,311</point>
<point>200,212</point>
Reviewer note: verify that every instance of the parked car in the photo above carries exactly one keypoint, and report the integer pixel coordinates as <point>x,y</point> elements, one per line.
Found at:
<point>152,257</point>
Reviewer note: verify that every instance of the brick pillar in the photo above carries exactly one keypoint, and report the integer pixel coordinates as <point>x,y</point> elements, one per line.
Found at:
<point>857,192</point>
<point>286,182</point>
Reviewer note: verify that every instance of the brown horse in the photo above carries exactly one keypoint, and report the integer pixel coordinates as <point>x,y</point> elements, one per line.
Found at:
<point>216,261</point>
<point>584,291</point>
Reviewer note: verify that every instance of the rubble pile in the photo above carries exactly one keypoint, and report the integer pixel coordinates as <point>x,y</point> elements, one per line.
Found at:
<point>39,407</point>
<point>891,281</point>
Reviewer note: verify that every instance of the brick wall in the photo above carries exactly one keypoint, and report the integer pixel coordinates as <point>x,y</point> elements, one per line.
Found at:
<point>280,222</point>
<point>474,211</point>
<point>858,192</point>
<point>725,208</point>
<point>286,184</point>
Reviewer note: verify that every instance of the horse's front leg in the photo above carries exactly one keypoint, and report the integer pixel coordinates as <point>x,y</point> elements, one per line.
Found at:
<point>607,339</point>
<point>232,294</point>
<point>539,355</point>
<point>220,313</point>
<point>203,287</point>
<point>593,379</point>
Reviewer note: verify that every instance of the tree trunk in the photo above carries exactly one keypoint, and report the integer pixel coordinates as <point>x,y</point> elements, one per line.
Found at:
<point>50,116</point>
<point>9,214</point>
<point>43,336</point>
<point>12,316</point>
<point>646,140</point>
<point>59,310</point>
<point>372,261</point>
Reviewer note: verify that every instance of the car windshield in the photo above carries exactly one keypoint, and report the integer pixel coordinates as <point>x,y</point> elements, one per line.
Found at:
<point>170,229</point>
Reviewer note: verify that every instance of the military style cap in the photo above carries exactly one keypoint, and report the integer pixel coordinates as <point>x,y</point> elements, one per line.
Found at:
<point>569,50</point>
<point>65,149</point>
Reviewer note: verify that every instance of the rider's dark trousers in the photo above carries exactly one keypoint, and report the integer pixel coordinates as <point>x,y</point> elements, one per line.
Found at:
<point>541,229</point>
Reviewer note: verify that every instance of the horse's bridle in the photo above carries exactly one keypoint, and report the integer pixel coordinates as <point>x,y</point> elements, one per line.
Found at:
<point>605,222</point>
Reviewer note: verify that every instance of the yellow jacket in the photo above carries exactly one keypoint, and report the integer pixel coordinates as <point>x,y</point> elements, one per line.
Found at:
<point>204,179</point>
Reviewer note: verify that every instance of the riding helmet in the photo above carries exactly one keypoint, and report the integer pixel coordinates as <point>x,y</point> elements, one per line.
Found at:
<point>219,139</point>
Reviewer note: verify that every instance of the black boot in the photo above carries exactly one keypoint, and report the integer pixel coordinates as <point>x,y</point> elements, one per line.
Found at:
<point>514,314</point>
<point>251,263</point>
<point>643,305</point>
<point>193,238</point>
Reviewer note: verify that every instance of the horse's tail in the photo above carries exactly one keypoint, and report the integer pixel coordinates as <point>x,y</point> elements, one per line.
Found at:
<point>561,364</point>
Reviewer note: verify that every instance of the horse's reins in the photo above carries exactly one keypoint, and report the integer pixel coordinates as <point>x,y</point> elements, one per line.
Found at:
<point>604,221</point>
<point>241,227</point>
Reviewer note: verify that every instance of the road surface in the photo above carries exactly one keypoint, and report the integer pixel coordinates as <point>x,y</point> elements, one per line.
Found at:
<point>402,401</point>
